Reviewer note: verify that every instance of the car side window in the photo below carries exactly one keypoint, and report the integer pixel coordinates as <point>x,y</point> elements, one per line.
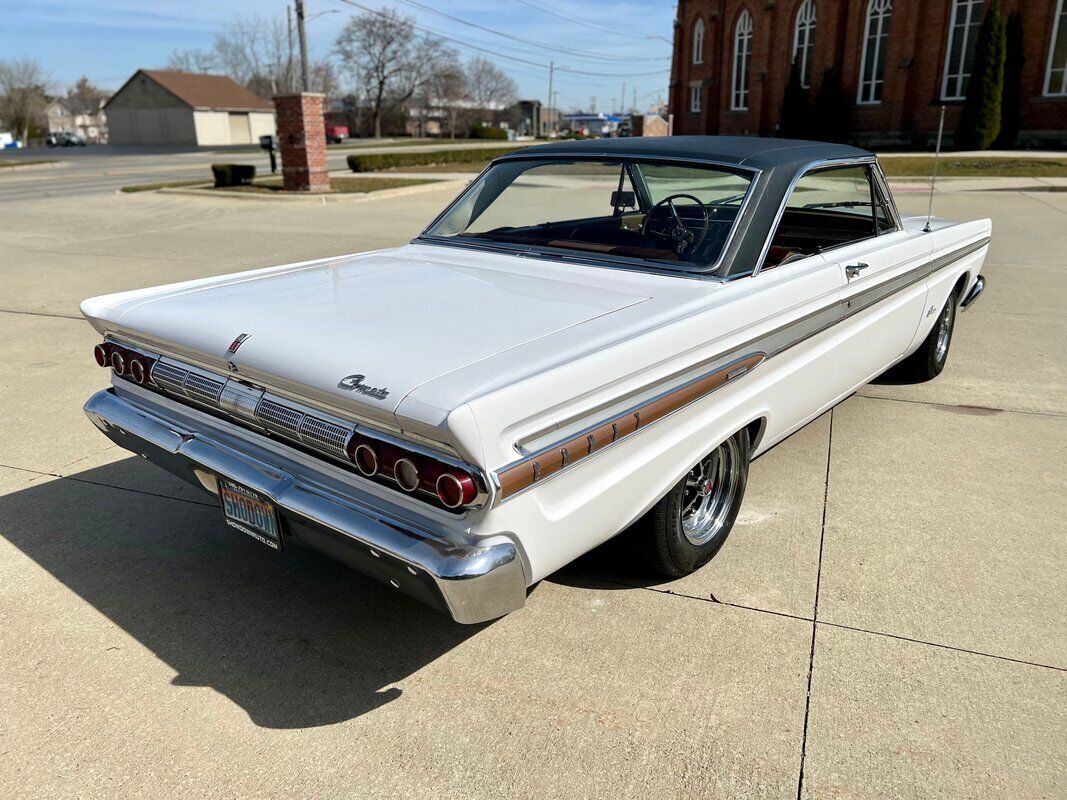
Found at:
<point>827,208</point>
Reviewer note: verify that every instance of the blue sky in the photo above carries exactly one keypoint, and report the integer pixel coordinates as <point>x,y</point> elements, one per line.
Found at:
<point>109,39</point>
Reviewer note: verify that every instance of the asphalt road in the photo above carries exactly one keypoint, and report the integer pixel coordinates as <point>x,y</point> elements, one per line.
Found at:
<point>95,170</point>
<point>887,619</point>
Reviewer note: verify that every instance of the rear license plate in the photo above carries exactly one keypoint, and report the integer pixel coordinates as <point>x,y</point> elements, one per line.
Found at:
<point>249,512</point>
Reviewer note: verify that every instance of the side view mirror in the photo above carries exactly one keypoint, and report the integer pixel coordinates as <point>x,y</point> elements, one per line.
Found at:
<point>622,200</point>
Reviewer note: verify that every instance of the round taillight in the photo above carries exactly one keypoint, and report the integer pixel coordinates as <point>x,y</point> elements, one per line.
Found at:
<point>137,370</point>
<point>455,489</point>
<point>118,363</point>
<point>406,474</point>
<point>101,356</point>
<point>365,459</point>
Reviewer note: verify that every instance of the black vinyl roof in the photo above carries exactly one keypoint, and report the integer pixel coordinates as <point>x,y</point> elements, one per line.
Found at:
<point>744,151</point>
<point>779,160</point>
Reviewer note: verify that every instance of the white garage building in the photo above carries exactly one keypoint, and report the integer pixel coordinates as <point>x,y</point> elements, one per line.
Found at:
<point>161,107</point>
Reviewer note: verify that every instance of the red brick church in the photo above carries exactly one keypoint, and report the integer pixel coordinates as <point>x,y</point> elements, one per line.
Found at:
<point>898,61</point>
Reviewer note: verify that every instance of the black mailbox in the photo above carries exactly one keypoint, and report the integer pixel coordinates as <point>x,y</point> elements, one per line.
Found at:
<point>270,144</point>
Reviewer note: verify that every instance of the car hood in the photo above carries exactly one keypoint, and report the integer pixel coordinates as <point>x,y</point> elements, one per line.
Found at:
<point>359,332</point>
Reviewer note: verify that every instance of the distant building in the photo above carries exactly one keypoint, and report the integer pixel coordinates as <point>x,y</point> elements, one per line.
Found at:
<point>66,115</point>
<point>592,124</point>
<point>898,61</point>
<point>649,125</point>
<point>163,107</point>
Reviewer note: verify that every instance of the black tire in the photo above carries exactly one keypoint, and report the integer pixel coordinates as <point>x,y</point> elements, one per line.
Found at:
<point>929,360</point>
<point>671,550</point>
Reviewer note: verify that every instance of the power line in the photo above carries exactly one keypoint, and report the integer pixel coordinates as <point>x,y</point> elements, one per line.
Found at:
<point>592,25</point>
<point>589,55</point>
<point>498,54</point>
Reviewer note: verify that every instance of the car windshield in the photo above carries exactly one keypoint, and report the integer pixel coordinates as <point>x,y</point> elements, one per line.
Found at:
<point>675,215</point>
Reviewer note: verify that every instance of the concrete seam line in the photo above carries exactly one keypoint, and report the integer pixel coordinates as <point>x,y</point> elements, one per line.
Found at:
<point>106,485</point>
<point>815,609</point>
<point>40,314</point>
<point>1053,414</point>
<point>786,615</point>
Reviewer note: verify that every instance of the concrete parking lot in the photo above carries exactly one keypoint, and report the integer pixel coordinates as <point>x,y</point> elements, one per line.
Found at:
<point>889,617</point>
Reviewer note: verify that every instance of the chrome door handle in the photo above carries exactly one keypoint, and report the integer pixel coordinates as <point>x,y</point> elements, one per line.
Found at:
<point>852,270</point>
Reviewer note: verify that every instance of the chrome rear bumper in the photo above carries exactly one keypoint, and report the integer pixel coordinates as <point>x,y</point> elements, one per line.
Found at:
<point>973,293</point>
<point>471,583</point>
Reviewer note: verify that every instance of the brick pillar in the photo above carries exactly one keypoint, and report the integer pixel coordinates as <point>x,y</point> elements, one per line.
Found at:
<point>302,140</point>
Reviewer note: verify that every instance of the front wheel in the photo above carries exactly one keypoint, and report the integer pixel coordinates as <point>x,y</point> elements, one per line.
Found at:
<point>929,360</point>
<point>688,526</point>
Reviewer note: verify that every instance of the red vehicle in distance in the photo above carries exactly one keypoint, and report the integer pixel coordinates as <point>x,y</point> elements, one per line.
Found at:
<point>336,134</point>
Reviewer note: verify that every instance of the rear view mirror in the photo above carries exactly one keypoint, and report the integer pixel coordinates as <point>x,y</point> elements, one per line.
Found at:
<point>623,200</point>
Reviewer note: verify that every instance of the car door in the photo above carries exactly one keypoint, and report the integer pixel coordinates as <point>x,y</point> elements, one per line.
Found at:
<point>884,297</point>
<point>836,224</point>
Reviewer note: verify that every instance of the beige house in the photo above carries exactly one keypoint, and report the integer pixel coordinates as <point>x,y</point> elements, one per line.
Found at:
<point>162,107</point>
<point>65,114</point>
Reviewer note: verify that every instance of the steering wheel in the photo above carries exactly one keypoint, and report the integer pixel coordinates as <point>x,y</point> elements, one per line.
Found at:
<point>676,232</point>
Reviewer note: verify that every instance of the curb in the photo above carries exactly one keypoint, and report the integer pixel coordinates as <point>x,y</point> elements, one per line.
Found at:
<point>322,199</point>
<point>31,165</point>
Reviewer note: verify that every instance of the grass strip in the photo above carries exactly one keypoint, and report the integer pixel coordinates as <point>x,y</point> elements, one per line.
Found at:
<point>343,185</point>
<point>950,167</point>
<point>151,187</point>
<point>371,162</point>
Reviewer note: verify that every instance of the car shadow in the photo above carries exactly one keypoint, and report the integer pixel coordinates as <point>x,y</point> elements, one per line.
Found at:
<point>617,564</point>
<point>295,639</point>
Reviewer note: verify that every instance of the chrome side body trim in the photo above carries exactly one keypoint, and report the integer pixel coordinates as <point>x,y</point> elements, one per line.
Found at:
<point>472,583</point>
<point>529,471</point>
<point>765,346</point>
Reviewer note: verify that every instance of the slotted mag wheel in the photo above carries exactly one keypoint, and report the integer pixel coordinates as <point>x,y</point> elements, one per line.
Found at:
<point>711,492</point>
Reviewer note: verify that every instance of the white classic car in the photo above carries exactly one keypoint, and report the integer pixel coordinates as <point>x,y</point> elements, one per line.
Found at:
<point>593,336</point>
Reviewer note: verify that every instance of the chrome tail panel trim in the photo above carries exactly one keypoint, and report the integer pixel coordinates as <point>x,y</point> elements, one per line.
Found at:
<point>257,408</point>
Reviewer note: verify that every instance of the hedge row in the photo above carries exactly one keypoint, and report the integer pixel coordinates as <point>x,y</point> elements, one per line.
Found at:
<point>233,174</point>
<point>376,161</point>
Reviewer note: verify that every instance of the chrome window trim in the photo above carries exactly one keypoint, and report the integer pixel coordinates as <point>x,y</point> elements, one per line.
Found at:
<point>615,262</point>
<point>811,166</point>
<point>887,196</point>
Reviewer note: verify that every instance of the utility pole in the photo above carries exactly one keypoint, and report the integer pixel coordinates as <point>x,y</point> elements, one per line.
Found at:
<point>303,45</point>
<point>622,99</point>
<point>551,70</point>
<point>289,41</point>
<point>633,105</point>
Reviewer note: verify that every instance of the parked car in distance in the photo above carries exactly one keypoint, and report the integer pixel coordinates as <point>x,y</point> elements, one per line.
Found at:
<point>64,139</point>
<point>335,134</point>
<point>594,336</point>
<point>8,141</point>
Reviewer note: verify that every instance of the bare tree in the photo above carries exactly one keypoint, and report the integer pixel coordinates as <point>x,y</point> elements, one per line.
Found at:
<point>488,86</point>
<point>257,52</point>
<point>22,95</point>
<point>395,62</point>
<point>195,60</point>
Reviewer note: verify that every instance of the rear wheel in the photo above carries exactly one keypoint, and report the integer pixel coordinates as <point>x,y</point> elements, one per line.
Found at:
<point>688,526</point>
<point>929,360</point>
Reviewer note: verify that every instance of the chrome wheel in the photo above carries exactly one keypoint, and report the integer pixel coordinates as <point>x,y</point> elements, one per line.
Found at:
<point>710,493</point>
<point>944,333</point>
